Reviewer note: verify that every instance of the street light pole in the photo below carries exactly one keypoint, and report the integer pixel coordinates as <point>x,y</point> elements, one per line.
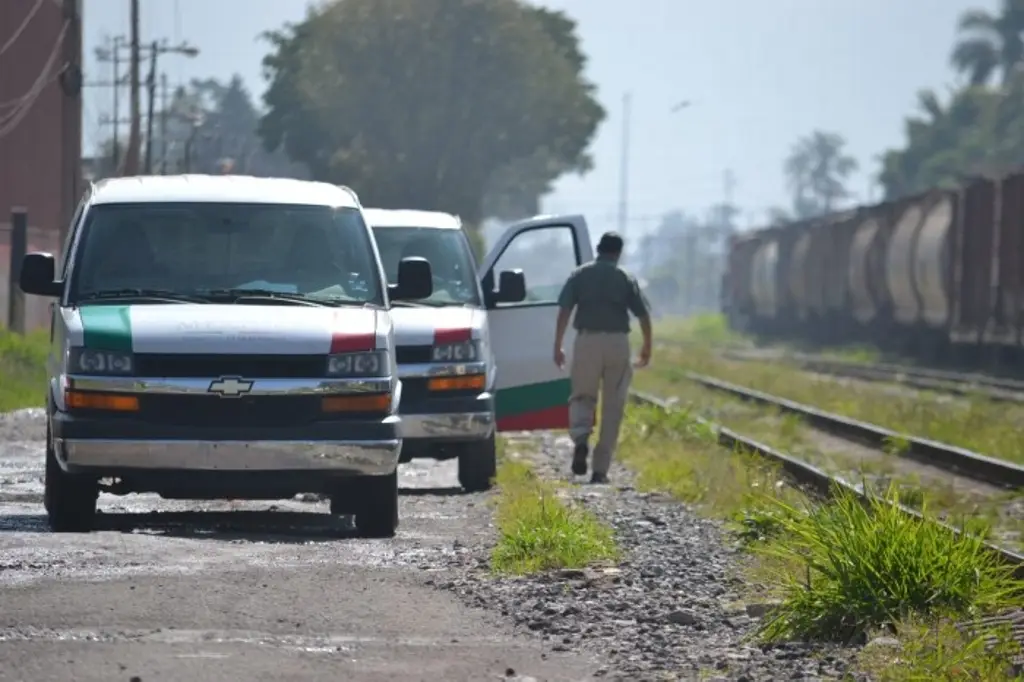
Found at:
<point>624,167</point>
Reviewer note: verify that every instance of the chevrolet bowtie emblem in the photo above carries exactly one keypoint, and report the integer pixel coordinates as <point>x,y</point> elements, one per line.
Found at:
<point>230,387</point>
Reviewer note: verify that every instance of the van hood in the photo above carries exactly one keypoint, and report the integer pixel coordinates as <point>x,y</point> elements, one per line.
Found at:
<point>418,326</point>
<point>237,329</point>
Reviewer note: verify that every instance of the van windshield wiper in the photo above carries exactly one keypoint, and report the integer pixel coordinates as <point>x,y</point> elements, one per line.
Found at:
<point>403,303</point>
<point>237,295</point>
<point>151,294</point>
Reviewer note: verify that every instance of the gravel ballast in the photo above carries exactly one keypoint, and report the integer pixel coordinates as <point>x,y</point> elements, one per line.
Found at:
<point>671,609</point>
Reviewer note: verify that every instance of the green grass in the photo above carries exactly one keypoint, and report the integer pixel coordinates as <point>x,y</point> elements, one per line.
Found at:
<point>22,369</point>
<point>789,433</point>
<point>995,429</point>
<point>935,650</point>
<point>838,570</point>
<point>539,530</point>
<point>870,565</point>
<point>674,453</point>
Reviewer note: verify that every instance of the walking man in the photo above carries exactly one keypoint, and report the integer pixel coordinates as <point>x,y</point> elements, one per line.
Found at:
<point>603,295</point>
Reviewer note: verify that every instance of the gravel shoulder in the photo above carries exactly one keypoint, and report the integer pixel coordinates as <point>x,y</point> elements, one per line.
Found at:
<point>673,609</point>
<point>167,590</point>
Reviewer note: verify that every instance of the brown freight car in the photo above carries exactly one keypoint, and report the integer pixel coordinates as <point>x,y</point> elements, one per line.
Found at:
<point>938,276</point>
<point>1003,330</point>
<point>870,305</point>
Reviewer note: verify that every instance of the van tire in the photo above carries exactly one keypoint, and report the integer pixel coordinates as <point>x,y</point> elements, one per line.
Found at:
<point>478,465</point>
<point>69,499</point>
<point>377,506</point>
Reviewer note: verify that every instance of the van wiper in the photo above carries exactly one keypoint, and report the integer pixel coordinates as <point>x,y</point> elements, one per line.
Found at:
<point>150,294</point>
<point>237,295</point>
<point>409,304</point>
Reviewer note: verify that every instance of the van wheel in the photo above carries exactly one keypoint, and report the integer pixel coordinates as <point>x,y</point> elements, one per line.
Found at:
<point>478,464</point>
<point>70,500</point>
<point>377,506</point>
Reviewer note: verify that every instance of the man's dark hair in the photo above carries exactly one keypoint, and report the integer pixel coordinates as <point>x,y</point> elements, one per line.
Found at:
<point>610,244</point>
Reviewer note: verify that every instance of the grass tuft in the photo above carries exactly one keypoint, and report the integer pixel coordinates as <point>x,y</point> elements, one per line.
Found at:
<point>22,369</point>
<point>869,565</point>
<point>673,452</point>
<point>538,531</point>
<point>937,651</point>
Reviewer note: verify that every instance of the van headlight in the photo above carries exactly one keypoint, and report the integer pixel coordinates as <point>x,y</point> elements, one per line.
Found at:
<point>101,362</point>
<point>369,364</point>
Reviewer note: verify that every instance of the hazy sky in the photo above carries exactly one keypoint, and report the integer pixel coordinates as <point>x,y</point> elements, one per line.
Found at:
<point>760,75</point>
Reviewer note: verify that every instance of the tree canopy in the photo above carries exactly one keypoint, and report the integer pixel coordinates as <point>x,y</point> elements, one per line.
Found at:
<point>816,171</point>
<point>211,127</point>
<point>468,106</point>
<point>978,129</point>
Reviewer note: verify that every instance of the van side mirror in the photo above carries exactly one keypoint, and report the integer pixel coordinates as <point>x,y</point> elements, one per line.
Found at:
<point>511,287</point>
<point>415,280</point>
<point>38,272</point>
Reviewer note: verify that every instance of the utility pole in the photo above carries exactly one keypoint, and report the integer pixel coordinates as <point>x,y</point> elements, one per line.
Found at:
<point>71,82</point>
<point>154,50</point>
<point>729,183</point>
<point>624,167</point>
<point>164,103</point>
<point>112,53</point>
<point>131,162</point>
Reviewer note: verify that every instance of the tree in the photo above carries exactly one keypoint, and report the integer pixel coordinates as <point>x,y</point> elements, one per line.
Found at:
<point>990,43</point>
<point>816,172</point>
<point>467,106</point>
<point>979,130</point>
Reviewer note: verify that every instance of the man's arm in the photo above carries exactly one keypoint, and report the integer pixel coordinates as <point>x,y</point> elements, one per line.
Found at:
<point>638,306</point>
<point>566,302</point>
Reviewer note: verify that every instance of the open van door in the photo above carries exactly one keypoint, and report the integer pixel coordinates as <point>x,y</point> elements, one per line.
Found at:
<point>531,393</point>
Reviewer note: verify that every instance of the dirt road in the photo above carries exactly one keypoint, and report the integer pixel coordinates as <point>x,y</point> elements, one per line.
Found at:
<point>245,591</point>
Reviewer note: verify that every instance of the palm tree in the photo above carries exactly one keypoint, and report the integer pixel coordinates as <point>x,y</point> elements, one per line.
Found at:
<point>817,170</point>
<point>990,43</point>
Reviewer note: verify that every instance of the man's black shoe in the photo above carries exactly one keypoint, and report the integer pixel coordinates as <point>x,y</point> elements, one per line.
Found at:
<point>579,459</point>
<point>598,478</point>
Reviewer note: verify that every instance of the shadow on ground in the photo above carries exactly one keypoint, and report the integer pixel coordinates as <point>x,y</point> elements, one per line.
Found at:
<point>272,526</point>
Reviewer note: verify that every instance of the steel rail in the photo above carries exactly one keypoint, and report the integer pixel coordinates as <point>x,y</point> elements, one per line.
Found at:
<point>816,479</point>
<point>950,458</point>
<point>994,388</point>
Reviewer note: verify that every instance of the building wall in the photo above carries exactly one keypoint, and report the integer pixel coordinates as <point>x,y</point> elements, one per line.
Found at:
<point>39,155</point>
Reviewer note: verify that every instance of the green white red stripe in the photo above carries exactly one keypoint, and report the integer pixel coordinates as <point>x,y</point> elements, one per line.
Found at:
<point>225,329</point>
<point>534,406</point>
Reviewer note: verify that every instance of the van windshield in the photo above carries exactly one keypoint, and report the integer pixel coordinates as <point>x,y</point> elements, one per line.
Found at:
<point>448,253</point>
<point>318,253</point>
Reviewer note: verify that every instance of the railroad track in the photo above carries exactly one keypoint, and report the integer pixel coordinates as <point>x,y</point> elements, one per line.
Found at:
<point>951,458</point>
<point>816,479</point>
<point>1001,389</point>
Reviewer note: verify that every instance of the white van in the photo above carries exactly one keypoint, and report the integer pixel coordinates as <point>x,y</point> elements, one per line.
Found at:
<point>221,337</point>
<point>475,356</point>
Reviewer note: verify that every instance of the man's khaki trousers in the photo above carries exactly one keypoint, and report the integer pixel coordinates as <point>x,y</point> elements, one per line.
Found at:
<point>600,361</point>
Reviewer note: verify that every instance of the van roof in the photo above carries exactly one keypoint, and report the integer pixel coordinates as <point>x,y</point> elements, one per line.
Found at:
<point>386,217</point>
<point>221,188</point>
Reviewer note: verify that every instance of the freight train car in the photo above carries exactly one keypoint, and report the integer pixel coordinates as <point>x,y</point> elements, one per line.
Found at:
<point>938,276</point>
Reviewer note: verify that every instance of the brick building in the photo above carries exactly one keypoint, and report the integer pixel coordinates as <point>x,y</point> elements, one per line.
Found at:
<point>40,127</point>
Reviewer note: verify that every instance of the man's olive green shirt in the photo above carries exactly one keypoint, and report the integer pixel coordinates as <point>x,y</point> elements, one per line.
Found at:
<point>603,294</point>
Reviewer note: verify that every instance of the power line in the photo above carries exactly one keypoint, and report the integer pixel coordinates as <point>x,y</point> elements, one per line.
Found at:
<point>11,122</point>
<point>21,29</point>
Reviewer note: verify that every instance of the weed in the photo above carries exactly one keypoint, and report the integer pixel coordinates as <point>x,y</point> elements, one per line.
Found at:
<point>936,650</point>
<point>22,369</point>
<point>868,565</point>
<point>538,531</point>
<point>897,445</point>
<point>674,452</point>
